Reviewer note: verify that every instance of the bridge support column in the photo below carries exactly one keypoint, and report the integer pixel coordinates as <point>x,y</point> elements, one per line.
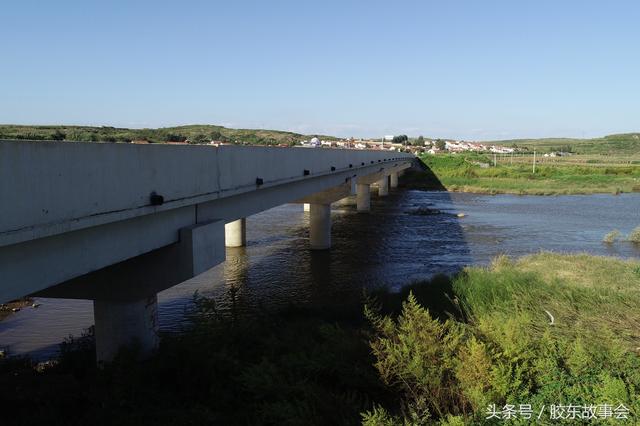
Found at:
<point>320,231</point>
<point>394,180</point>
<point>363,197</point>
<point>235,233</point>
<point>307,207</point>
<point>121,324</point>
<point>383,186</point>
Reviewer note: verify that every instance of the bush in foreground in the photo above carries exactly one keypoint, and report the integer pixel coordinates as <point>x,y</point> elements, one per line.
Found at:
<point>546,329</point>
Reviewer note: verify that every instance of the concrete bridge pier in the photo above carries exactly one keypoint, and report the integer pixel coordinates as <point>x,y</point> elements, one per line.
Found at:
<point>132,324</point>
<point>394,180</point>
<point>235,233</point>
<point>383,186</point>
<point>124,294</point>
<point>363,197</point>
<point>320,212</point>
<point>320,226</point>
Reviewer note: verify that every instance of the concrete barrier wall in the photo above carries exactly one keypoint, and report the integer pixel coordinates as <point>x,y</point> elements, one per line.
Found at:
<point>48,188</point>
<point>73,212</point>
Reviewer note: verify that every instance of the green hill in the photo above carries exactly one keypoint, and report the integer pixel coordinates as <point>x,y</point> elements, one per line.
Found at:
<point>624,143</point>
<point>194,133</point>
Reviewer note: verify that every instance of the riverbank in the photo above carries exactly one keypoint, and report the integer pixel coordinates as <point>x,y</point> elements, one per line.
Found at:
<point>545,329</point>
<point>477,173</point>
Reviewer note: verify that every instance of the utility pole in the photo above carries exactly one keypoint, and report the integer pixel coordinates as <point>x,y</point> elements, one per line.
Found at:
<point>534,161</point>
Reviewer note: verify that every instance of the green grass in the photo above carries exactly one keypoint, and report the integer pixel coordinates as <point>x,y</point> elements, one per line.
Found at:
<point>464,173</point>
<point>435,353</point>
<point>546,329</point>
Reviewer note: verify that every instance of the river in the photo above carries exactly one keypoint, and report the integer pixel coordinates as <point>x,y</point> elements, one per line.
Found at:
<point>397,243</point>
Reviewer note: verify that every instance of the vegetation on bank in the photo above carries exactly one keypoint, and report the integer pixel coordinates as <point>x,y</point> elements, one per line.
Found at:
<point>545,329</point>
<point>612,237</point>
<point>477,173</point>
<point>616,235</point>
<point>192,133</point>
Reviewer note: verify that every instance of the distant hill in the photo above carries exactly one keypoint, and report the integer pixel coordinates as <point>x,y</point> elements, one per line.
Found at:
<point>195,133</point>
<point>624,143</point>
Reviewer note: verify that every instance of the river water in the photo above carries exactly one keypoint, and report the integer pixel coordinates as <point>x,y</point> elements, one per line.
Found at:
<point>396,244</point>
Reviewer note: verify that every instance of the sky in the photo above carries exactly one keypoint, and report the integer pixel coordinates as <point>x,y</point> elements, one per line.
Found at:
<point>475,70</point>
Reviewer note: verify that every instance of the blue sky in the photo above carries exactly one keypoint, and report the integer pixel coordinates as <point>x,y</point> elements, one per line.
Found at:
<point>465,69</point>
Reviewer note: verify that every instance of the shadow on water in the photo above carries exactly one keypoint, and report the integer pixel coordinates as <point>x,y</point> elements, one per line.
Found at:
<point>402,241</point>
<point>421,177</point>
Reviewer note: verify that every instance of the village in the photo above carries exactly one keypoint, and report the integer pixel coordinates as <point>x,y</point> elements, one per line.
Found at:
<point>416,146</point>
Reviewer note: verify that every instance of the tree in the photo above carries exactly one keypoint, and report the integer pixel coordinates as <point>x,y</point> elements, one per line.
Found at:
<point>420,141</point>
<point>175,137</point>
<point>401,139</point>
<point>75,135</point>
<point>441,145</point>
<point>198,138</point>
<point>58,135</point>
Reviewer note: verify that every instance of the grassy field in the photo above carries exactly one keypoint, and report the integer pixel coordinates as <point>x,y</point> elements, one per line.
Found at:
<point>545,329</point>
<point>624,143</point>
<point>166,134</point>
<point>575,174</point>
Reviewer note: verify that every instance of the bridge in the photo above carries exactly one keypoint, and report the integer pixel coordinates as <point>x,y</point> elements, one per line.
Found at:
<point>117,223</point>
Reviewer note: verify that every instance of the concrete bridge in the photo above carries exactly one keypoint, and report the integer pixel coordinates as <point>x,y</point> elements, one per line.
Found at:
<point>117,223</point>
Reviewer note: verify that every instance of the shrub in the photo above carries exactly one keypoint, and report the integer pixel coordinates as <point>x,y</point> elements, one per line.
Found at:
<point>413,355</point>
<point>611,237</point>
<point>506,352</point>
<point>634,236</point>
